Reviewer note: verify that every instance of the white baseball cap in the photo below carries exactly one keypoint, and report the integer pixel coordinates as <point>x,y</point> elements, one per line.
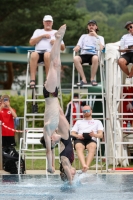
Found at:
<point>48,18</point>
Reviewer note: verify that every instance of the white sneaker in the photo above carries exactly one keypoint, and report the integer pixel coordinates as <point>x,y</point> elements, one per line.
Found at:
<point>128,81</point>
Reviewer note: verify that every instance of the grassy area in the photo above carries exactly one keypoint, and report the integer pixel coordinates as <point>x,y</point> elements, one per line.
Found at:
<point>39,164</point>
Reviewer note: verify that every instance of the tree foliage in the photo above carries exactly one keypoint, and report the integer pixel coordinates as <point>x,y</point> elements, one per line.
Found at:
<point>108,6</point>
<point>20,18</point>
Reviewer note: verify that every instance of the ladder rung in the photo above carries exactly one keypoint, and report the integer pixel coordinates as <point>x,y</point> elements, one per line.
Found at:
<point>36,119</point>
<point>124,85</point>
<point>125,158</point>
<point>124,114</point>
<point>88,99</point>
<point>37,100</point>
<point>34,114</point>
<point>127,93</point>
<point>37,86</point>
<point>124,99</point>
<point>93,93</point>
<point>125,118</point>
<point>92,113</point>
<point>127,128</point>
<point>123,142</point>
<point>86,85</point>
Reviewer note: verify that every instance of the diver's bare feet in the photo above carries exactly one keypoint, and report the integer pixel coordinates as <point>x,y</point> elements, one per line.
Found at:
<point>51,170</point>
<point>85,168</point>
<point>60,33</point>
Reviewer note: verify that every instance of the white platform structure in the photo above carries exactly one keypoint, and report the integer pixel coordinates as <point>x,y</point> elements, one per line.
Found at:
<point>117,138</point>
<point>34,115</point>
<point>117,153</point>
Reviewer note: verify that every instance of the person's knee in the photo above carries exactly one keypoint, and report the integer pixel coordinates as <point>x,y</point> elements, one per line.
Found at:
<point>122,61</point>
<point>77,59</point>
<point>91,147</point>
<point>79,147</point>
<point>46,56</point>
<point>95,59</point>
<point>34,57</point>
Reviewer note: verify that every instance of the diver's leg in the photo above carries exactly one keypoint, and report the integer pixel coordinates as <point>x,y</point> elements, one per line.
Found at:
<point>55,63</point>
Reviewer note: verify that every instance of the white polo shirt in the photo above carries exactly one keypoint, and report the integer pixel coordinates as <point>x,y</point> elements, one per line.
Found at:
<point>44,43</point>
<point>87,126</point>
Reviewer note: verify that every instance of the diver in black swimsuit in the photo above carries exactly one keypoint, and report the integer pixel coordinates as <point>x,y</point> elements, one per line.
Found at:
<point>54,117</point>
<point>67,172</point>
<point>52,107</point>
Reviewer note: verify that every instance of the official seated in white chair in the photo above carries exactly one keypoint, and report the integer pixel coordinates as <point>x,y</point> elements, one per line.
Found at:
<point>89,44</point>
<point>43,40</point>
<point>86,131</point>
<point>126,47</point>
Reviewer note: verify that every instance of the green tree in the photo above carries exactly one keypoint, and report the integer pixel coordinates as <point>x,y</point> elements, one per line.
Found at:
<point>20,18</point>
<point>107,6</point>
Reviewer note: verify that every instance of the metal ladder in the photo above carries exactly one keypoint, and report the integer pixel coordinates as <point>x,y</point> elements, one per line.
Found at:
<point>121,134</point>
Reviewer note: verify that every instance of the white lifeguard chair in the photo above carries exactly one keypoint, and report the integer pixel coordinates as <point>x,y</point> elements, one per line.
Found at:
<point>93,95</point>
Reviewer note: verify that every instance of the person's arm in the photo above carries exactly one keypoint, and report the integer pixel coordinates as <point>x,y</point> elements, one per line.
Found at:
<point>7,103</point>
<point>49,153</point>
<point>67,168</point>
<point>100,43</point>
<point>75,131</point>
<point>13,112</point>
<point>79,44</point>
<point>76,48</point>
<point>62,47</point>
<point>98,135</point>
<point>53,159</point>
<point>1,106</point>
<point>76,135</point>
<point>100,39</point>
<point>34,41</point>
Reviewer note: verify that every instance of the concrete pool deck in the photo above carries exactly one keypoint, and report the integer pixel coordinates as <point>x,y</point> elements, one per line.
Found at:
<point>38,172</point>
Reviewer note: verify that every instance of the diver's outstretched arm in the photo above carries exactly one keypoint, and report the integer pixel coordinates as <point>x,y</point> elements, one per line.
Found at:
<point>49,153</point>
<point>66,166</point>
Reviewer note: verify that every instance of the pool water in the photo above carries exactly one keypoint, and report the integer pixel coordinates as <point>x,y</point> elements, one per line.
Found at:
<point>85,187</point>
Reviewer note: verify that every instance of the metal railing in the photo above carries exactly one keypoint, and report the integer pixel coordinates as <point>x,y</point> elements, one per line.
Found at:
<point>20,126</point>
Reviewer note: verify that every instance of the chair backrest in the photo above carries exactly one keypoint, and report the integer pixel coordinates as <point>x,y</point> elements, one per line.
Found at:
<point>33,137</point>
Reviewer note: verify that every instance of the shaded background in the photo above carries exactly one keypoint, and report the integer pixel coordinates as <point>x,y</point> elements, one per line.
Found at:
<point>19,19</point>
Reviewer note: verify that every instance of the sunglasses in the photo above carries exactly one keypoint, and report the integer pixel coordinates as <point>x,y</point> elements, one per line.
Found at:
<point>6,99</point>
<point>130,27</point>
<point>86,111</point>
